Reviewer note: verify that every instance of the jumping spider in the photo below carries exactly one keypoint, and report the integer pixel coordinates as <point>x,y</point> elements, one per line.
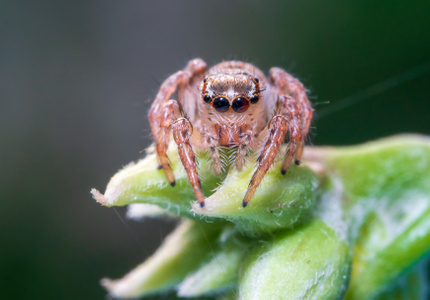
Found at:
<point>231,105</point>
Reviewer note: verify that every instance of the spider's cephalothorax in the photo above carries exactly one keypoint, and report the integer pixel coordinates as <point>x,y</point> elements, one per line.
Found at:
<point>233,105</point>
<point>235,91</point>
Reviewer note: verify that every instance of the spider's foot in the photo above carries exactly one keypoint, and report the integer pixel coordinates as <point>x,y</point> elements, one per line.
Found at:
<point>202,204</point>
<point>244,204</point>
<point>159,167</point>
<point>297,162</point>
<point>283,172</point>
<point>173,183</point>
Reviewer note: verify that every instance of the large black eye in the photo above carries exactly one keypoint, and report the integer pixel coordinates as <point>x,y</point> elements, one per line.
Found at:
<point>254,99</point>
<point>221,104</point>
<point>240,104</point>
<point>207,98</point>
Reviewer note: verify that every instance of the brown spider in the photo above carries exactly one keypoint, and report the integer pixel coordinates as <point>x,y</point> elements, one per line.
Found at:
<point>231,105</point>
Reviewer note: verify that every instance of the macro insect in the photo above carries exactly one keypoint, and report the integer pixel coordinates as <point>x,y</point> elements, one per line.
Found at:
<point>233,105</point>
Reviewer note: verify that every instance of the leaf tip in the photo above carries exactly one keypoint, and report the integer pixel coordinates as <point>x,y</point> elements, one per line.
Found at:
<point>118,288</point>
<point>107,283</point>
<point>99,197</point>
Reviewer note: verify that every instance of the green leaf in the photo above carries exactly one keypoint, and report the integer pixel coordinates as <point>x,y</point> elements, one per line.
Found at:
<point>220,273</point>
<point>412,286</point>
<point>216,276</point>
<point>371,202</point>
<point>280,201</point>
<point>143,182</point>
<point>380,169</point>
<point>181,253</point>
<point>142,211</point>
<point>310,262</point>
<point>386,185</point>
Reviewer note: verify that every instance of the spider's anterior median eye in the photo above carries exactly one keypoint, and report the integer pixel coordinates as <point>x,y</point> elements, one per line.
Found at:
<point>207,98</point>
<point>240,104</point>
<point>254,99</point>
<point>221,104</point>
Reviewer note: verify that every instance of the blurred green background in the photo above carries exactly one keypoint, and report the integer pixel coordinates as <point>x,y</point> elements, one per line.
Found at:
<point>76,77</point>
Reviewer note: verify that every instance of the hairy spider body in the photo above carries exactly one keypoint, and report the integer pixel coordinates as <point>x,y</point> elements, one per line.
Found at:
<point>232,104</point>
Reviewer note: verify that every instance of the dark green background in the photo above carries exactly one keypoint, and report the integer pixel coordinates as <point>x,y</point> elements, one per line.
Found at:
<point>75,79</point>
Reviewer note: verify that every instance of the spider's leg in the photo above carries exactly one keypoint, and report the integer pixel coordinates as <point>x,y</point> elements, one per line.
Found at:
<point>294,127</point>
<point>159,116</point>
<point>306,120</point>
<point>244,142</point>
<point>240,155</point>
<point>299,153</point>
<point>170,113</point>
<point>182,131</point>
<point>156,113</point>
<point>203,138</point>
<point>286,84</point>
<point>278,127</point>
<point>216,162</point>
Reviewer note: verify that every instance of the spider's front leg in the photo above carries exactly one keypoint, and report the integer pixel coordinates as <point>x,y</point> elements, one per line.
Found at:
<point>295,127</point>
<point>301,111</point>
<point>182,132</point>
<point>277,129</point>
<point>287,119</point>
<point>162,112</point>
<point>170,112</point>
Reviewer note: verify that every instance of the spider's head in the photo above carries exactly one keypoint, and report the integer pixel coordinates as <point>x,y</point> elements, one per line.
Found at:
<point>231,92</point>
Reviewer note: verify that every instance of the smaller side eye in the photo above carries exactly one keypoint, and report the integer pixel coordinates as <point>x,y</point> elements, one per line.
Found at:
<point>254,99</point>
<point>207,98</point>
